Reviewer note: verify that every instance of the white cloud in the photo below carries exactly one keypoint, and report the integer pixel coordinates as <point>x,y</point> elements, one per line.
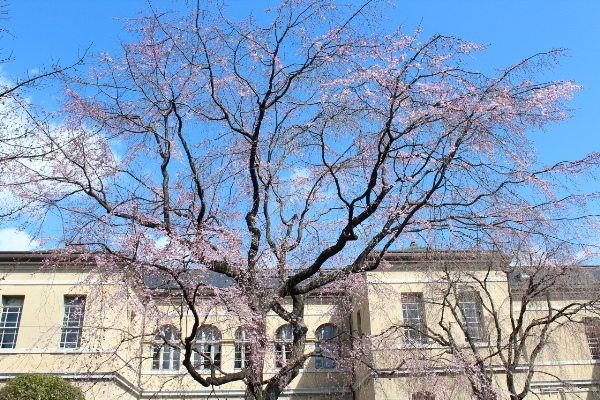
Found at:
<point>12,239</point>
<point>21,135</point>
<point>161,242</point>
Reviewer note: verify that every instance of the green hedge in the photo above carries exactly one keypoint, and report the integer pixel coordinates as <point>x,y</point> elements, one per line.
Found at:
<point>40,387</point>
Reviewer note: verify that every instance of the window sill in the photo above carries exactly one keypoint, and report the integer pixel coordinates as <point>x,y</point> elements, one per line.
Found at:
<point>53,351</point>
<point>181,371</point>
<point>163,372</point>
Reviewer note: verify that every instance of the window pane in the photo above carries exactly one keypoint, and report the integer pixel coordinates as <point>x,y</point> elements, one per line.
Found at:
<point>9,339</point>
<point>247,357</point>
<point>288,352</point>
<point>238,362</point>
<point>216,356</point>
<point>176,355</point>
<point>156,356</point>
<point>240,335</point>
<point>280,355</point>
<point>207,355</point>
<point>11,317</point>
<point>285,333</point>
<point>166,357</point>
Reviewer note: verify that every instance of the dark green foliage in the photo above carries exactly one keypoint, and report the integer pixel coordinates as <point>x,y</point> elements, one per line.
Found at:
<point>40,387</point>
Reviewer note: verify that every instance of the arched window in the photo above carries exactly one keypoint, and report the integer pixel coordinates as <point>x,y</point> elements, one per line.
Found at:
<point>283,345</point>
<point>242,349</point>
<point>164,356</point>
<point>207,350</point>
<point>327,345</point>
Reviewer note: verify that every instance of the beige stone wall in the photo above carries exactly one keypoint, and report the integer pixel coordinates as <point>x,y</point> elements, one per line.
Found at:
<point>566,354</point>
<point>108,350</point>
<point>310,379</point>
<point>115,358</point>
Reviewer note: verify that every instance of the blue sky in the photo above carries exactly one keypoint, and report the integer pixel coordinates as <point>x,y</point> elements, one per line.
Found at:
<point>59,30</point>
<point>45,32</point>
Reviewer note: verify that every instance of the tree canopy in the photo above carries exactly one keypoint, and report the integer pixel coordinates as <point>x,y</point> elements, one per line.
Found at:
<point>39,387</point>
<point>292,155</point>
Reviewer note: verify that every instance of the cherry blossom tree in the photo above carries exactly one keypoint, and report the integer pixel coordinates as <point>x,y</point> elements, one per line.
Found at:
<point>287,157</point>
<point>18,117</point>
<point>496,317</point>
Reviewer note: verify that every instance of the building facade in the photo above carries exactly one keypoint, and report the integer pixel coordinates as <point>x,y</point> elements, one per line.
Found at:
<point>428,325</point>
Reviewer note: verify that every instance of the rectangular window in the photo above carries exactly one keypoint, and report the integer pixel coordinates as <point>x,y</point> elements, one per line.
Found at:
<point>72,324</point>
<point>470,307</point>
<point>12,308</point>
<point>592,332</point>
<point>283,353</point>
<point>413,312</point>
<point>242,355</point>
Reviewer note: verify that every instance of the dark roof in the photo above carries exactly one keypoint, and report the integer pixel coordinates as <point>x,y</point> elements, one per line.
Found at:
<point>38,257</point>
<point>161,280</point>
<point>576,282</point>
<point>23,256</point>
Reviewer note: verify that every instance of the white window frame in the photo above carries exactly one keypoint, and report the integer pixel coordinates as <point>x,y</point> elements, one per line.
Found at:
<point>471,311</point>
<point>242,355</point>
<point>284,341</point>
<point>327,344</point>
<point>72,323</point>
<point>207,350</point>
<point>413,315</point>
<point>12,309</point>
<point>164,356</point>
